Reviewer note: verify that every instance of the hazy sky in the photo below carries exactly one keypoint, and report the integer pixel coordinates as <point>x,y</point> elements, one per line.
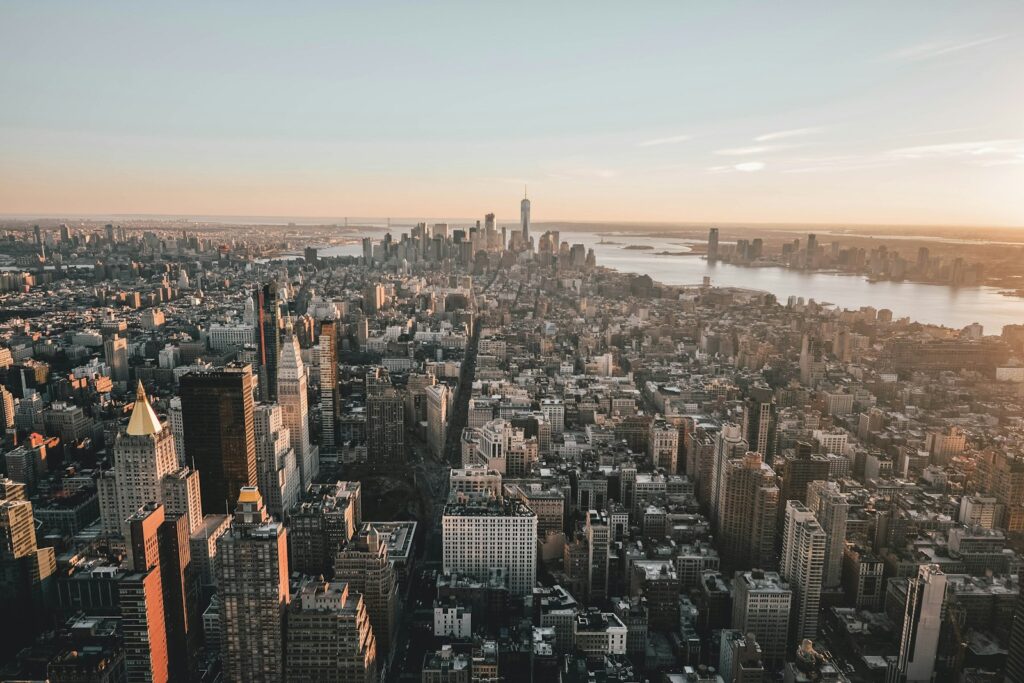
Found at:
<point>859,112</point>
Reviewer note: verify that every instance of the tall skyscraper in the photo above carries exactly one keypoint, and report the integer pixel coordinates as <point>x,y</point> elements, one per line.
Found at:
<point>115,351</point>
<point>6,411</point>
<point>364,565</point>
<point>291,394</point>
<point>143,455</point>
<point>220,436</point>
<point>729,444</point>
<point>803,561</point>
<point>252,572</point>
<point>799,469</point>
<point>712,245</point>
<point>268,338</point>
<point>524,219</point>
<point>749,513</point>
<point>922,623</point>
<point>1015,650</point>
<point>597,533</point>
<point>141,598</point>
<point>385,427</point>
<point>329,635</point>
<point>829,505</point>
<point>329,403</point>
<point>277,472</point>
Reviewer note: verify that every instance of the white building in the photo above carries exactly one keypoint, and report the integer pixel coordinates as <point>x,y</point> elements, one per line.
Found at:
<point>291,394</point>
<point>437,417</point>
<point>452,621</point>
<point>922,622</point>
<point>474,479</point>
<point>276,468</point>
<point>554,412</point>
<point>761,605</point>
<point>481,532</point>
<point>803,564</point>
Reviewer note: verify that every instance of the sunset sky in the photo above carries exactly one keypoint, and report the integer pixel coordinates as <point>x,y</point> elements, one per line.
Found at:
<point>853,112</point>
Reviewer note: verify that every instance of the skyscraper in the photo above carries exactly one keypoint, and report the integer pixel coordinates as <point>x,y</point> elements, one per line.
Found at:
<point>329,635</point>
<point>277,472</point>
<point>252,572</point>
<point>141,600</point>
<point>712,245</point>
<point>759,421</point>
<point>27,572</point>
<point>803,561</point>
<point>830,507</point>
<point>749,513</point>
<point>268,338</point>
<point>217,413</point>
<point>385,427</point>
<point>115,351</point>
<point>598,538</point>
<point>799,469</point>
<point>922,623</point>
<point>524,219</point>
<point>329,403</point>
<point>1015,650</point>
<point>437,417</point>
<point>291,394</point>
<point>143,455</point>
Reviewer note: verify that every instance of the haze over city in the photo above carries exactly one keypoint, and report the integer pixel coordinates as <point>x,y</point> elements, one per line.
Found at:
<point>858,113</point>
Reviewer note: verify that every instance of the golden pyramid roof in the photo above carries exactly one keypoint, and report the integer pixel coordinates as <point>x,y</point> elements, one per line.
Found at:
<point>143,421</point>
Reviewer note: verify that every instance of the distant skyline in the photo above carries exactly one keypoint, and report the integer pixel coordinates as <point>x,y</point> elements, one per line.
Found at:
<point>732,112</point>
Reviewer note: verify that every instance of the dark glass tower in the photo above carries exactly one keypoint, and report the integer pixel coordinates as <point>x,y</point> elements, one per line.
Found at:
<point>268,338</point>
<point>220,434</point>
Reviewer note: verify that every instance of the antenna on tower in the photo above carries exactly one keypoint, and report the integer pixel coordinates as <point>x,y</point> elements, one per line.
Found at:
<point>524,192</point>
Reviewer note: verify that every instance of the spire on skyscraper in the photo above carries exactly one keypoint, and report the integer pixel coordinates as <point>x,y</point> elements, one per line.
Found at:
<point>144,420</point>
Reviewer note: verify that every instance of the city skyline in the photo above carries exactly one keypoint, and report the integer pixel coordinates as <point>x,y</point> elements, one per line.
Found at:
<point>863,115</point>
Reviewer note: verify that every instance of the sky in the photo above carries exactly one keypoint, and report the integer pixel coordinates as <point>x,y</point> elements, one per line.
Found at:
<point>907,112</point>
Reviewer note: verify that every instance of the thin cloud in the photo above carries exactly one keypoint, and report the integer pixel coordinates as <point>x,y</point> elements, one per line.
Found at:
<point>672,140</point>
<point>1007,147</point>
<point>756,149</point>
<point>745,167</point>
<point>784,134</point>
<point>931,50</point>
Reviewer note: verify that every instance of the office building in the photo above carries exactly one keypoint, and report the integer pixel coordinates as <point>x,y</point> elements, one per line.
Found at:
<point>220,435</point>
<point>761,606</point>
<point>712,245</point>
<point>115,351</point>
<point>329,399</point>
<point>252,579</point>
<point>922,624</point>
<point>268,339</point>
<point>328,517</point>
<point>597,534</point>
<point>385,427</point>
<point>830,507</point>
<point>364,564</point>
<point>141,601</point>
<point>330,638</point>
<point>481,533</point>
<point>437,417</point>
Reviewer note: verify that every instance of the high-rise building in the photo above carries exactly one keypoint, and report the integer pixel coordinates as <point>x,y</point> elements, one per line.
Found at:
<point>922,623</point>
<point>663,445</point>
<point>6,411</point>
<point>524,219</point>
<point>364,565</point>
<point>385,427</point>
<point>739,659</point>
<point>268,338</point>
<point>812,361</point>
<point>437,417</point>
<point>761,605</point>
<point>830,507</point>
<point>597,533</point>
<point>141,600</point>
<point>177,425</point>
<point>330,638</point>
<point>328,516</point>
<point>27,572</point>
<point>329,403</point>
<point>1015,650</point>
<point>277,473</point>
<point>220,435</point>
<point>759,421</point>
<point>712,245</point>
<point>729,445</point>
<point>481,533</point>
<point>749,513</point>
<point>803,563</point>
<point>144,456</point>
<point>291,395</point>
<point>115,351</point>
<point>252,570</point>
<point>799,469</point>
